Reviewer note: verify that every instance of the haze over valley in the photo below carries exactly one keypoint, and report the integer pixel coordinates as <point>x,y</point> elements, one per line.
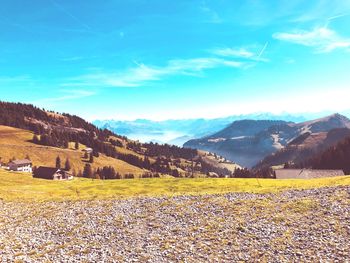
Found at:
<point>180,131</point>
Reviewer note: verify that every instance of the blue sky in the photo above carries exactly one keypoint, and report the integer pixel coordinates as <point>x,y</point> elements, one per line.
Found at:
<point>176,59</point>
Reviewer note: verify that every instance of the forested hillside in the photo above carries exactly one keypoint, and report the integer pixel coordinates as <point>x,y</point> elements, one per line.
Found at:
<point>335,157</point>
<point>71,134</point>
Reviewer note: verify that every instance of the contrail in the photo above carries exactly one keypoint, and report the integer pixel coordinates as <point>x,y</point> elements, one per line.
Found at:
<point>330,19</point>
<point>70,15</point>
<point>263,49</point>
<point>337,16</point>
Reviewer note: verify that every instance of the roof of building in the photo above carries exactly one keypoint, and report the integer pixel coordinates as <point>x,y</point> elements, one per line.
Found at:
<point>306,173</point>
<point>46,172</point>
<point>88,149</point>
<point>19,162</point>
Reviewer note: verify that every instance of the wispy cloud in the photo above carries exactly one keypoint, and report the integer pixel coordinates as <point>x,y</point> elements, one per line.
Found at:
<point>337,16</point>
<point>142,73</point>
<point>322,39</point>
<point>231,52</point>
<point>67,95</point>
<point>242,53</point>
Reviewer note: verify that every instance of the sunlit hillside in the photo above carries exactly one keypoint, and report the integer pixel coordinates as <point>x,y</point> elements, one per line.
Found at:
<point>16,143</point>
<point>21,186</point>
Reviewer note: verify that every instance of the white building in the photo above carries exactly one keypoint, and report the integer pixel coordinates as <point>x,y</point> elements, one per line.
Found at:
<point>88,150</point>
<point>24,165</point>
<point>306,173</point>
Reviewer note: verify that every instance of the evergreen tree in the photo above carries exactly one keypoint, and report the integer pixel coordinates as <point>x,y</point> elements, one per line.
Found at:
<point>95,153</point>
<point>65,144</point>
<point>146,163</point>
<point>58,162</point>
<point>87,173</point>
<point>91,160</point>
<point>67,165</point>
<point>35,139</point>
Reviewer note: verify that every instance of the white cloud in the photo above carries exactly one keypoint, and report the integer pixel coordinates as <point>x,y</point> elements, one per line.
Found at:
<point>67,95</point>
<point>141,74</point>
<point>231,52</point>
<point>243,53</point>
<point>335,100</point>
<point>322,39</point>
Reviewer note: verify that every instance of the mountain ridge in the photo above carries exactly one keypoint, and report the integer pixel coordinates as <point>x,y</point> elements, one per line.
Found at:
<point>179,131</point>
<point>257,143</point>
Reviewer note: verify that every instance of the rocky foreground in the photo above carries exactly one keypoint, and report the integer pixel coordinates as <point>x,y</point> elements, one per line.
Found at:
<point>294,226</point>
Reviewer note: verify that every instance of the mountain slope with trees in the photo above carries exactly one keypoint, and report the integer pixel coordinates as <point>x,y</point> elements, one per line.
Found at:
<point>274,142</point>
<point>44,135</point>
<point>335,157</point>
<point>306,146</point>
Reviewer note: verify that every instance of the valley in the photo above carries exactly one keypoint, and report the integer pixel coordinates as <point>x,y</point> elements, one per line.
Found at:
<point>178,132</point>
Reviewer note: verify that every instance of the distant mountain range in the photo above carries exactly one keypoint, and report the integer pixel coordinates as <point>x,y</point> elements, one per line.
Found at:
<point>266,142</point>
<point>178,132</point>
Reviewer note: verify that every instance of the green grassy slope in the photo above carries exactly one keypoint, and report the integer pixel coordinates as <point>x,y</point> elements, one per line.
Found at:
<point>22,187</point>
<point>17,143</point>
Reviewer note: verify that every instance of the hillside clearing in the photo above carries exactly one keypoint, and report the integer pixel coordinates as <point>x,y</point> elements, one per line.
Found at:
<point>17,143</point>
<point>21,186</point>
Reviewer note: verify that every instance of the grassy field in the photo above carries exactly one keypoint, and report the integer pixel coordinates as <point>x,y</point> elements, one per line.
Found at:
<point>22,187</point>
<point>16,143</point>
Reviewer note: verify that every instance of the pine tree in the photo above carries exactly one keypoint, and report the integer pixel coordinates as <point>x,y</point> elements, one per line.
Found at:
<point>58,162</point>
<point>66,144</point>
<point>95,153</point>
<point>67,165</point>
<point>87,173</point>
<point>35,139</point>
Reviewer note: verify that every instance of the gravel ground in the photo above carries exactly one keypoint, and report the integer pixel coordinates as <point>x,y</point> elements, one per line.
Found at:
<point>293,226</point>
